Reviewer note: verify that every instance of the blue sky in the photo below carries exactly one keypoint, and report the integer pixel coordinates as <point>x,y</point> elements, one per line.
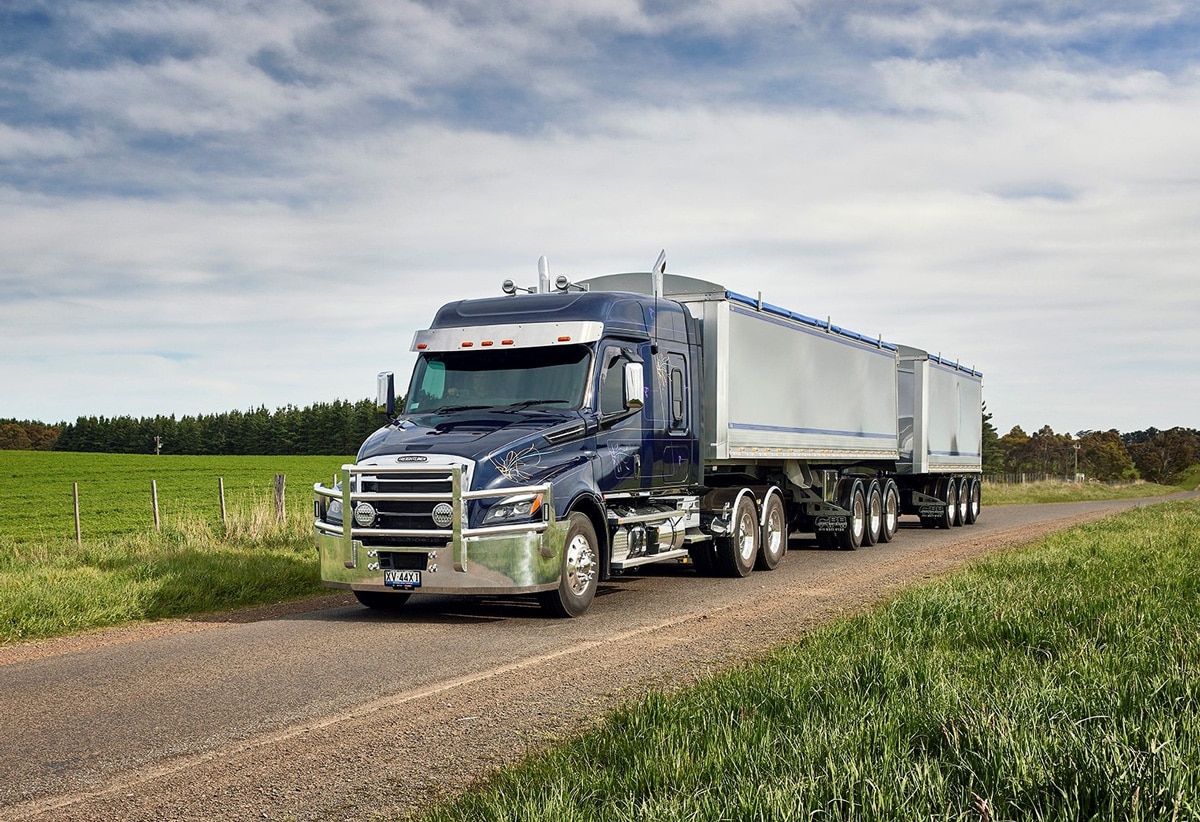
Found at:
<point>220,205</point>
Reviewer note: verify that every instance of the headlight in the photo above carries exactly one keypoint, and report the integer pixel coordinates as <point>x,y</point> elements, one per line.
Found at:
<point>514,509</point>
<point>333,512</point>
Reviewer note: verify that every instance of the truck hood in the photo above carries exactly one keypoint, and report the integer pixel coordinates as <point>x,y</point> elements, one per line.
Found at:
<point>475,435</point>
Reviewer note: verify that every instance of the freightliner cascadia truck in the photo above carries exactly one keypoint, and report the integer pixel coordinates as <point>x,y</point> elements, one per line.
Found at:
<point>557,436</point>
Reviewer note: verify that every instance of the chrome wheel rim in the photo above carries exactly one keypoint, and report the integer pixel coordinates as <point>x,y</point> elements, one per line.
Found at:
<point>580,565</point>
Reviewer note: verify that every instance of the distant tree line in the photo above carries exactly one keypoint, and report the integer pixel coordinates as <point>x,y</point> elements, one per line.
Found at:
<point>340,427</point>
<point>24,435</point>
<point>1109,456</point>
<point>325,428</point>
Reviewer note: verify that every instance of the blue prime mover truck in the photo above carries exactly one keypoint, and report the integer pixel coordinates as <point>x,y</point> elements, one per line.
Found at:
<point>559,435</point>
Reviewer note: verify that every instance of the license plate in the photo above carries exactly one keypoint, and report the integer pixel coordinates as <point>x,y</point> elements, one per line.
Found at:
<point>402,579</point>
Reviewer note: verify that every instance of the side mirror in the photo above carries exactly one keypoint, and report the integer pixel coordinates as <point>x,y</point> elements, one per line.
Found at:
<point>385,392</point>
<point>634,386</point>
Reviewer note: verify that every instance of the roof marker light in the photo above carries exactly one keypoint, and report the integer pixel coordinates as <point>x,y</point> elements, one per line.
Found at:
<point>507,342</point>
<point>564,339</point>
<point>468,345</point>
<point>486,343</point>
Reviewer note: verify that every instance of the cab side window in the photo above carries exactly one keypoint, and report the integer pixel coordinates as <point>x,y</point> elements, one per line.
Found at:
<point>612,384</point>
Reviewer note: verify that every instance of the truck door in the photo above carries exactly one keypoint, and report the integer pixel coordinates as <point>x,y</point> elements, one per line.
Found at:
<point>620,439</point>
<point>669,413</point>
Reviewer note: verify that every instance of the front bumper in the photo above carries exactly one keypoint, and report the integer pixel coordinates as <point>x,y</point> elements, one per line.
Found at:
<point>509,559</point>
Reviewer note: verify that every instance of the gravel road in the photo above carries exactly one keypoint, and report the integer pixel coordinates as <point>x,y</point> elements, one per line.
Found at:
<point>322,710</point>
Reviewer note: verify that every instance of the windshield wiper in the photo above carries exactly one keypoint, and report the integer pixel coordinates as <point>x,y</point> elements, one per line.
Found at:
<point>528,403</point>
<point>452,409</point>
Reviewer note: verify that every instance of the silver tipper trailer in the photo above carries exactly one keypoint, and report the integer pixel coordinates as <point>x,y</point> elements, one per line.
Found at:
<point>566,433</point>
<point>822,410</point>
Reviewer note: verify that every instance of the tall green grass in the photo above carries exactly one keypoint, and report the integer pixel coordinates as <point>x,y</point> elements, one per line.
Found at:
<point>1032,493</point>
<point>1060,682</point>
<point>127,571</point>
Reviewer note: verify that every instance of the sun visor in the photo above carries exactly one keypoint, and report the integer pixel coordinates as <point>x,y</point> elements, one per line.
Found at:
<point>517,335</point>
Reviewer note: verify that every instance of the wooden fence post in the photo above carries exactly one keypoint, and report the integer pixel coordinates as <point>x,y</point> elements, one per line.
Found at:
<point>280,484</point>
<point>154,497</point>
<point>221,491</point>
<point>78,532</point>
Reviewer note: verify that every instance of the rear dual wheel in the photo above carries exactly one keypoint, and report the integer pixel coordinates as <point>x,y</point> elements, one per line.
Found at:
<point>737,551</point>
<point>773,539</point>
<point>891,511</point>
<point>852,496</point>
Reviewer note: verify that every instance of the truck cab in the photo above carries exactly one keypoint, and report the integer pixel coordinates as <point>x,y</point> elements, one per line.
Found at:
<point>529,422</point>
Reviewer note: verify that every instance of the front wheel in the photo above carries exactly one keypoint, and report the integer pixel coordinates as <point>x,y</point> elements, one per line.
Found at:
<point>580,571</point>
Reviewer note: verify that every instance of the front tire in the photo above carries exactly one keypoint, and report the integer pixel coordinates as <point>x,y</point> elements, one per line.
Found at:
<point>580,571</point>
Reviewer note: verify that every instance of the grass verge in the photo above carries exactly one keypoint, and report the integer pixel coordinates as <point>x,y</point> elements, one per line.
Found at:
<point>1032,493</point>
<point>1061,681</point>
<point>54,587</point>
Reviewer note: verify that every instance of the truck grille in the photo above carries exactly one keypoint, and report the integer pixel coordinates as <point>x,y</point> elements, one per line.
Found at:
<point>412,505</point>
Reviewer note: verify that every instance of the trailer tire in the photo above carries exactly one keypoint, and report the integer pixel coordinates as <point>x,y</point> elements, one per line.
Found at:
<point>853,499</point>
<point>891,512</point>
<point>948,493</point>
<point>973,501</point>
<point>772,542</point>
<point>964,496</point>
<point>737,551</point>
<point>580,571</point>
<point>874,511</point>
<point>382,600</point>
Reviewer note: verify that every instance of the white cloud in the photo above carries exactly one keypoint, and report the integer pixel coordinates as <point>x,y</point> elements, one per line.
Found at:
<point>1033,217</point>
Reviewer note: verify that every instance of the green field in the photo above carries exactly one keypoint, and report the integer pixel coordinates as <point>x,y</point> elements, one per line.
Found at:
<point>114,490</point>
<point>1057,682</point>
<point>125,570</point>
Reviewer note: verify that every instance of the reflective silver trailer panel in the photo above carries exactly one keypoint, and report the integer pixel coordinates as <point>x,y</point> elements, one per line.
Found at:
<point>941,414</point>
<point>778,387</point>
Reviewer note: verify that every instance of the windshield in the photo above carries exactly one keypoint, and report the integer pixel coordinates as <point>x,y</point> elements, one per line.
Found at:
<point>529,377</point>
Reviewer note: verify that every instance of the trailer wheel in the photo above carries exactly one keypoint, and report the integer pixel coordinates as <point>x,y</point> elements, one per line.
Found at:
<point>736,552</point>
<point>874,510</point>
<point>948,493</point>
<point>853,499</point>
<point>891,511</point>
<point>580,571</point>
<point>973,501</point>
<point>382,600</point>
<point>964,499</point>
<point>773,540</point>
